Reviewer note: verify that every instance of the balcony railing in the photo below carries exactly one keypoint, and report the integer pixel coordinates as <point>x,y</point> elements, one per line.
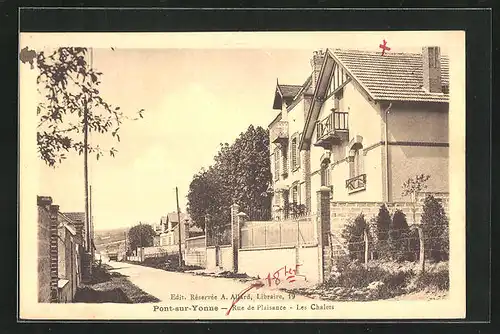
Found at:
<point>279,132</point>
<point>356,183</point>
<point>332,129</point>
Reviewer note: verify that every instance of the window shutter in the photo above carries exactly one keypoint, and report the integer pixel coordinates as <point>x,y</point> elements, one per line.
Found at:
<point>299,199</point>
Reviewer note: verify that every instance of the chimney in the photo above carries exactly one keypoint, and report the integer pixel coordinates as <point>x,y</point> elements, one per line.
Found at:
<point>431,60</point>
<point>316,63</point>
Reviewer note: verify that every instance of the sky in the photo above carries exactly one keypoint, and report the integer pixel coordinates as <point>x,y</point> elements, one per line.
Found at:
<point>194,99</point>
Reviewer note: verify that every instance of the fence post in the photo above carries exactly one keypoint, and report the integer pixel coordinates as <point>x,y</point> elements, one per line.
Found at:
<point>280,231</point>
<point>422,248</point>
<point>365,237</point>
<point>323,230</point>
<point>235,237</point>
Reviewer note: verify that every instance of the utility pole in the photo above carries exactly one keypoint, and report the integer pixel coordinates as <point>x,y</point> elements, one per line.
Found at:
<point>86,175</point>
<point>179,220</point>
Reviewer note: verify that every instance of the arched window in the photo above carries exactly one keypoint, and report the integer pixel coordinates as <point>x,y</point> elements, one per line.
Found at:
<point>356,160</point>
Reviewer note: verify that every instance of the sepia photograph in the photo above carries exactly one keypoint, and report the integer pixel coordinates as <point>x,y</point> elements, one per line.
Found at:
<point>199,176</point>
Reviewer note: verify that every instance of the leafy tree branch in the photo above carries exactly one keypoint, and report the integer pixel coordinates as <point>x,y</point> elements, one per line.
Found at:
<point>69,89</point>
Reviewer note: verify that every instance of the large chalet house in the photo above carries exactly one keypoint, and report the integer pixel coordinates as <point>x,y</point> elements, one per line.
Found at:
<point>361,125</point>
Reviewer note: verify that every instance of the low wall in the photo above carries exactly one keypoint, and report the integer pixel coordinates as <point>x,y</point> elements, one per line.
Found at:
<point>226,257</point>
<point>64,291</point>
<point>196,257</point>
<point>260,262</point>
<point>211,261</point>
<point>341,212</point>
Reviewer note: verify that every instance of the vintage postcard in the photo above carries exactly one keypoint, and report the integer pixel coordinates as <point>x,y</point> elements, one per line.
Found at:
<point>250,176</point>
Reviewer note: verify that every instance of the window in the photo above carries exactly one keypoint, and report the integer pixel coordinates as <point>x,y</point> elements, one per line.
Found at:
<point>325,173</point>
<point>295,195</point>
<point>356,167</point>
<point>357,180</point>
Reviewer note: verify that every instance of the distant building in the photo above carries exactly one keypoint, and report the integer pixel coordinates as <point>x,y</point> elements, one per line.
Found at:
<point>170,228</point>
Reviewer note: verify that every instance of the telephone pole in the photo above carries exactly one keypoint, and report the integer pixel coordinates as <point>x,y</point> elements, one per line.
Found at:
<point>179,220</point>
<point>88,239</point>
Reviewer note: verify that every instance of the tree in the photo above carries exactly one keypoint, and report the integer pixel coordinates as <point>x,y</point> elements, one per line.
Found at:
<point>412,187</point>
<point>69,88</point>
<point>353,234</point>
<point>435,227</point>
<point>383,223</point>
<point>399,236</point>
<point>241,174</point>
<point>203,199</point>
<point>141,235</point>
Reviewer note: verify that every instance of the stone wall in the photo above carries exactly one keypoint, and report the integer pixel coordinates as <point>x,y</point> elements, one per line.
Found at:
<point>341,212</point>
<point>43,255</point>
<point>47,250</point>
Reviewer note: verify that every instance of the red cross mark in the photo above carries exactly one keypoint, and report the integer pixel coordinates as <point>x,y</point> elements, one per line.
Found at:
<point>384,47</point>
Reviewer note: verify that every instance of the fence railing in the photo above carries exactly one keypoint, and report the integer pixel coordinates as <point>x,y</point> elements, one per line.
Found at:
<point>278,233</point>
<point>417,242</point>
<point>356,183</point>
<point>336,121</point>
<point>219,236</point>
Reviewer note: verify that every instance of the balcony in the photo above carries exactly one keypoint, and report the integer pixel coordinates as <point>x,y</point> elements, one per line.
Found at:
<point>279,133</point>
<point>356,183</point>
<point>332,130</point>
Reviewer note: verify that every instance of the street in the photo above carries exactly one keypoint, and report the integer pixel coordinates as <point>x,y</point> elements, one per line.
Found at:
<point>168,286</point>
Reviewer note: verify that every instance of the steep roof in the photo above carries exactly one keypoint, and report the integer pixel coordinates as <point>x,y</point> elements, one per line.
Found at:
<point>393,76</point>
<point>67,223</point>
<point>172,217</point>
<point>77,217</point>
<point>289,90</point>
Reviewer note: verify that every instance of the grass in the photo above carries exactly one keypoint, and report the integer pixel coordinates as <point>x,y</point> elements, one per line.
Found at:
<point>111,287</point>
<point>353,281</point>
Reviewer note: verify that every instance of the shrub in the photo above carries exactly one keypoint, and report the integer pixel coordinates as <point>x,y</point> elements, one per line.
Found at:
<point>399,234</point>
<point>357,276</point>
<point>414,244</point>
<point>383,221</point>
<point>353,233</point>
<point>435,228</point>
<point>433,280</point>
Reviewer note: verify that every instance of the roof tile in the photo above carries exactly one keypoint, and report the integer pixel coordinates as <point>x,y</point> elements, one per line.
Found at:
<point>394,76</point>
<point>290,90</point>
